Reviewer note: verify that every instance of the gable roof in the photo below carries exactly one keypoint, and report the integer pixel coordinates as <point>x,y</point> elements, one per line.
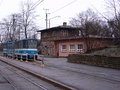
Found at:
<point>58,28</point>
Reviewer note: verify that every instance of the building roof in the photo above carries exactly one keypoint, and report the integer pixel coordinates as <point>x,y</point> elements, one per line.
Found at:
<point>59,27</point>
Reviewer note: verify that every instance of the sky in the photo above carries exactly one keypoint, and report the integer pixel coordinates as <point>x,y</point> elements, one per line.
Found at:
<point>59,10</point>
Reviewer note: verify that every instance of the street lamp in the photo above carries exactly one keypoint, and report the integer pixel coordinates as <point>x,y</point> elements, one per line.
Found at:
<point>52,18</point>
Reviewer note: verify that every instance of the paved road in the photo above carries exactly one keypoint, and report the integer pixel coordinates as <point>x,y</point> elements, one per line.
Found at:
<point>82,77</point>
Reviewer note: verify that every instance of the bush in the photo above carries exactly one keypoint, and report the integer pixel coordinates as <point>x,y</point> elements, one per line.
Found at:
<point>97,60</point>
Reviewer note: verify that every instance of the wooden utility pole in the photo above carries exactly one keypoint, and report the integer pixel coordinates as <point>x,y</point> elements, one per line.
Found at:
<point>46,17</point>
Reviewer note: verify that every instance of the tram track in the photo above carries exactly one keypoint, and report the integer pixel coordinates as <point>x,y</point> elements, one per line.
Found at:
<point>54,83</point>
<point>15,87</point>
<point>12,69</point>
<point>36,84</point>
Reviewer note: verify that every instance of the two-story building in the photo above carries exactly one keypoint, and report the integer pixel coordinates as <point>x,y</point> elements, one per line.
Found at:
<point>64,40</point>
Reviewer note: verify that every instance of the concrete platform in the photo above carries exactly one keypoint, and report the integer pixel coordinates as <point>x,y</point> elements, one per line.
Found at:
<point>81,77</point>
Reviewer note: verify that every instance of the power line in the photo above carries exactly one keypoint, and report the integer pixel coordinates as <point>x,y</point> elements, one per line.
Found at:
<point>64,6</point>
<point>61,8</point>
<point>100,13</point>
<point>37,3</point>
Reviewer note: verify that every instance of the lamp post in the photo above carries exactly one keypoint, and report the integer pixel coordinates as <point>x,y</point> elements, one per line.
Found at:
<point>52,18</point>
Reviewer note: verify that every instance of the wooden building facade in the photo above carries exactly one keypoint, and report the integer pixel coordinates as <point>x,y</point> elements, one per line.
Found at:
<point>64,40</point>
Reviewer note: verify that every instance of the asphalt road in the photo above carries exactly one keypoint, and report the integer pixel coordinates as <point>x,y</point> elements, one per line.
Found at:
<point>83,77</point>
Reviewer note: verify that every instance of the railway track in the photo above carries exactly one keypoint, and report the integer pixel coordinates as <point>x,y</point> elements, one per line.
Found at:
<point>28,79</point>
<point>71,75</point>
<point>14,86</point>
<point>22,76</point>
<point>55,84</point>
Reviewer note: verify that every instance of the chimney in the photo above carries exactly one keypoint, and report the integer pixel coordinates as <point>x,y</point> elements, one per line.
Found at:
<point>64,24</point>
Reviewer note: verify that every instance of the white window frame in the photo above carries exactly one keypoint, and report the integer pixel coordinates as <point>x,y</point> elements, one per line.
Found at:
<point>64,33</point>
<point>80,33</point>
<point>63,50</point>
<point>71,50</point>
<point>79,50</point>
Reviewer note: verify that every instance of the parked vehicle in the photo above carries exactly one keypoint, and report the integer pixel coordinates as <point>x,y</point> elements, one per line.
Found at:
<point>21,49</point>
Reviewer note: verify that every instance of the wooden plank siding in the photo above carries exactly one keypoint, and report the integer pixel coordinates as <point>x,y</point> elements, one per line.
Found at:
<point>53,38</point>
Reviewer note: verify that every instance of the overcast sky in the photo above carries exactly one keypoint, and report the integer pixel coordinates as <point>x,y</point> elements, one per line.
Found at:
<point>66,9</point>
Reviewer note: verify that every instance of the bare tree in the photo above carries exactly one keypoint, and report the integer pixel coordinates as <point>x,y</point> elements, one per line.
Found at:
<point>114,21</point>
<point>90,25</point>
<point>7,29</point>
<point>10,28</point>
<point>20,25</point>
<point>28,17</point>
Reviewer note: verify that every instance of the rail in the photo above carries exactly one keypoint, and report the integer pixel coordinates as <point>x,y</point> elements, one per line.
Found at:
<point>53,82</point>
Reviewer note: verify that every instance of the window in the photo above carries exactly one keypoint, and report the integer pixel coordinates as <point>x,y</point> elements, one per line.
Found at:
<point>64,33</point>
<point>24,44</point>
<point>32,44</point>
<point>80,33</point>
<point>63,48</point>
<point>54,33</point>
<point>45,34</point>
<point>72,48</point>
<point>79,47</point>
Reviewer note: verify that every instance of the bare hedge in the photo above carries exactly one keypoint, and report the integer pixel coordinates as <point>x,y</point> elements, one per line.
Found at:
<point>96,60</point>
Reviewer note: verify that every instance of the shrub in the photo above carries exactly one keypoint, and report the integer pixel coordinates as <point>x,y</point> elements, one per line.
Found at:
<point>97,60</point>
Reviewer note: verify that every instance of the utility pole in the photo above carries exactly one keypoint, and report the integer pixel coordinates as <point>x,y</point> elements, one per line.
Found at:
<point>52,18</point>
<point>46,17</point>
<point>13,26</point>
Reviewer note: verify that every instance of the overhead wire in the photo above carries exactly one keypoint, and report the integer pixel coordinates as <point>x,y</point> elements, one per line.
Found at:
<point>64,6</point>
<point>100,13</point>
<point>61,8</point>
<point>37,3</point>
<point>97,10</point>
